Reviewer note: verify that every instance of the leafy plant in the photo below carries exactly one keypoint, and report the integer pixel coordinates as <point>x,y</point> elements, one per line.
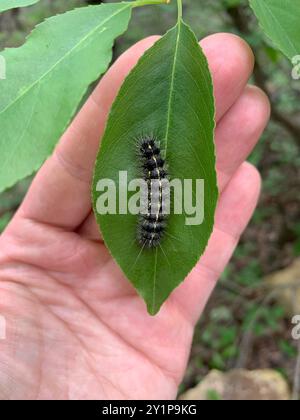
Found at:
<point>77,39</point>
<point>153,100</point>
<point>51,73</point>
<point>280,21</point>
<point>46,81</point>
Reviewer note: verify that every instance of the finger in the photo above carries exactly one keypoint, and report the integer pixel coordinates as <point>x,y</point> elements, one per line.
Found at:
<point>231,62</point>
<point>90,229</point>
<point>60,194</point>
<point>235,209</point>
<point>236,135</point>
<point>239,131</point>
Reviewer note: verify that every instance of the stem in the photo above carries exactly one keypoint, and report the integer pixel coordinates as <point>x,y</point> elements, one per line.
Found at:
<point>139,3</point>
<point>179,5</point>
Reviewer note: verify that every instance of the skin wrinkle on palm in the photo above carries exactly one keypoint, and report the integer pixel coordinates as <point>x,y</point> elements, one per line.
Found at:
<point>71,290</point>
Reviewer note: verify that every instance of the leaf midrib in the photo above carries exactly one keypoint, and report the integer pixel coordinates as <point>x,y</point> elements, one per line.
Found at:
<point>37,81</point>
<point>172,86</point>
<point>166,141</point>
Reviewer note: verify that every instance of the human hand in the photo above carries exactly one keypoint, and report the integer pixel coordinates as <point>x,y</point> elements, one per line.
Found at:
<point>76,328</point>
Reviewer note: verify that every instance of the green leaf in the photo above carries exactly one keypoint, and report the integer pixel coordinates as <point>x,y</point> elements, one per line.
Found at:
<point>169,94</point>
<point>11,4</point>
<point>280,20</point>
<point>46,79</point>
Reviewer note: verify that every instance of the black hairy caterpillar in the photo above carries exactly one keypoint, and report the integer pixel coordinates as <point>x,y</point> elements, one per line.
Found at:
<point>152,225</point>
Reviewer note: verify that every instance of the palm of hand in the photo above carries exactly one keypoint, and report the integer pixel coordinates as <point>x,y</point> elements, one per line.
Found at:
<point>75,326</point>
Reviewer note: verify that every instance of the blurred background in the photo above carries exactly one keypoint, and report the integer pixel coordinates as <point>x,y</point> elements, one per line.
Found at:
<point>243,346</point>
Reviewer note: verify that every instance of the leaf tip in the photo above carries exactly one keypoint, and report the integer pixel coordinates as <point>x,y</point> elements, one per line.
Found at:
<point>152,309</point>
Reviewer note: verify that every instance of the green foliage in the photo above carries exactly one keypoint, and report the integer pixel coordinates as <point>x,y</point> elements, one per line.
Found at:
<point>280,20</point>
<point>250,271</point>
<point>153,99</point>
<point>213,395</point>
<point>260,318</point>
<point>296,231</point>
<point>250,274</point>
<point>49,76</point>
<point>297,248</point>
<point>221,339</point>
<point>290,350</point>
<point>11,4</point>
